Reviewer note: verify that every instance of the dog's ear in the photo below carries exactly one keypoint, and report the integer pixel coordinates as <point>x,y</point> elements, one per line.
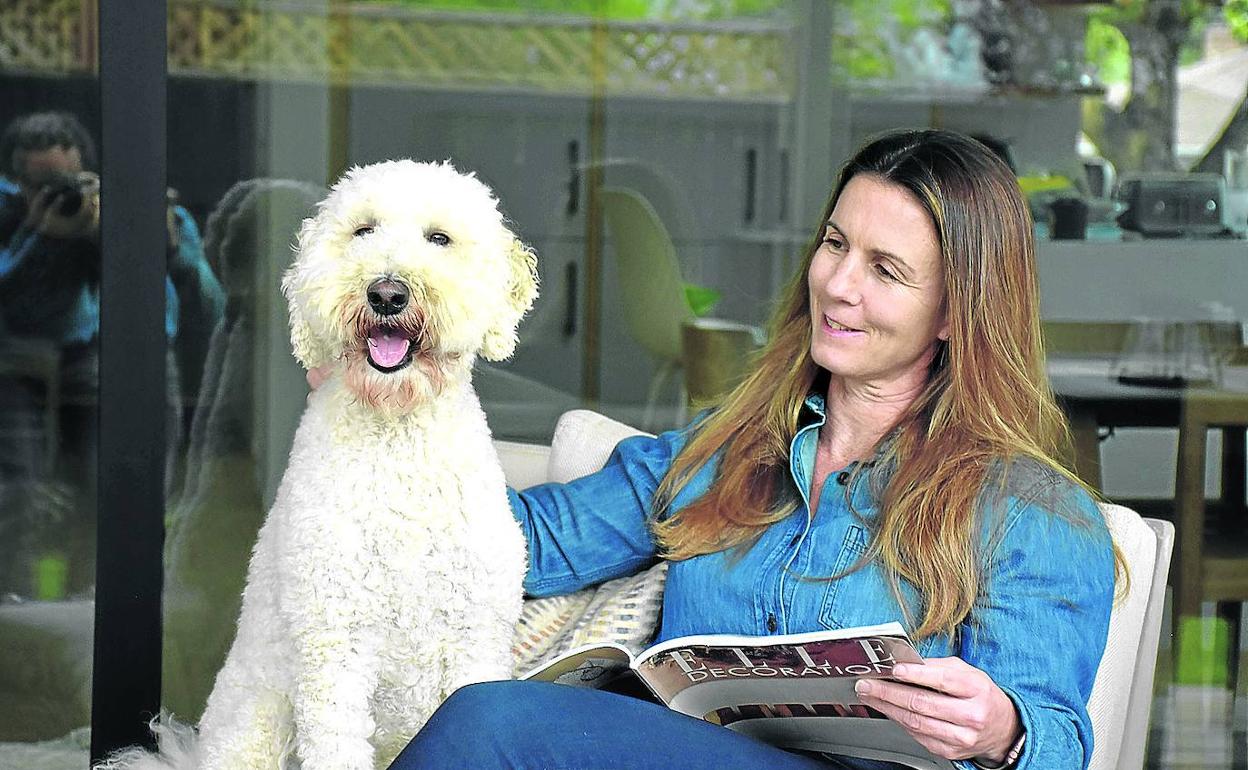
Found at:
<point>308,346</point>
<point>500,338</point>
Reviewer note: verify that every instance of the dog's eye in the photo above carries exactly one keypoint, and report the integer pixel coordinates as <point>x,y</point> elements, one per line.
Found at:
<point>439,238</point>
<point>365,230</point>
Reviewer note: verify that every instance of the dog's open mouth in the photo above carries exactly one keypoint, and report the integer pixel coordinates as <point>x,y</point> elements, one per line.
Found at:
<point>389,350</point>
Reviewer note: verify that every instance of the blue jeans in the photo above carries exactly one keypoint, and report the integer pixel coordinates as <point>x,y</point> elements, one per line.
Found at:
<point>541,726</point>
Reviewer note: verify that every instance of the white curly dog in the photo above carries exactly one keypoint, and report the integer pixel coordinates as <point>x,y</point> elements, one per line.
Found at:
<point>388,572</point>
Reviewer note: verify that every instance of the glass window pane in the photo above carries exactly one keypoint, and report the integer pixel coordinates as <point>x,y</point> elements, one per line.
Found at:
<point>49,326</point>
<point>668,162</point>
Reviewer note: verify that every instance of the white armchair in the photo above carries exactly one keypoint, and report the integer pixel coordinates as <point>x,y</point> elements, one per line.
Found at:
<point>1121,695</point>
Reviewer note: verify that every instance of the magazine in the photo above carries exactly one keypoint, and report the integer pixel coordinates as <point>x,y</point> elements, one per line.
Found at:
<point>793,690</point>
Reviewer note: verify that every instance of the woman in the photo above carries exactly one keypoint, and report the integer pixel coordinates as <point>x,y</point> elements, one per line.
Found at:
<point>892,457</point>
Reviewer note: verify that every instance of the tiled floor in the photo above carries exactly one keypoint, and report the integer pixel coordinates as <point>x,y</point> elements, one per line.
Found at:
<point>1199,727</point>
<point>1196,727</point>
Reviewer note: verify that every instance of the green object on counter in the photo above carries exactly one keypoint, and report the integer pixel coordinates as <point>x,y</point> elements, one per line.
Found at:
<point>51,575</point>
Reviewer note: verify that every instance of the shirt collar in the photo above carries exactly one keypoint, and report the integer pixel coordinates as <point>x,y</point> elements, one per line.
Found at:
<point>815,413</point>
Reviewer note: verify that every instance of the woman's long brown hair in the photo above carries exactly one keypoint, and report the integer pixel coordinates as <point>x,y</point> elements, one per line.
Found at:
<point>987,399</point>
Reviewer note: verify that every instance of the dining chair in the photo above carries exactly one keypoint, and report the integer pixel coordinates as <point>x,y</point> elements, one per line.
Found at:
<point>1211,557</point>
<point>710,353</point>
<point>1210,568</point>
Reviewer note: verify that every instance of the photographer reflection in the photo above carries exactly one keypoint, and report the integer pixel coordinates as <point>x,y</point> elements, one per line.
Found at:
<point>49,230</point>
<point>49,328</point>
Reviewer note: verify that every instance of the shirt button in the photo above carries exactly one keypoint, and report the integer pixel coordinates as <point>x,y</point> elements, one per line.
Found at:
<point>771,624</point>
<point>842,478</point>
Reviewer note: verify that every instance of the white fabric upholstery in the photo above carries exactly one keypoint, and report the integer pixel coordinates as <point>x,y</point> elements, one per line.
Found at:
<point>523,464</point>
<point>1113,677</point>
<point>582,443</point>
<point>1122,693</point>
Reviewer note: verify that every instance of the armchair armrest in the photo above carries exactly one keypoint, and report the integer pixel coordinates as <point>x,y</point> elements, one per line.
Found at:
<point>523,464</point>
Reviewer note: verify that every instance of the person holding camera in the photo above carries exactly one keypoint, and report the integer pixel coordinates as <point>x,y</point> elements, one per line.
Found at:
<point>49,307</point>
<point>49,231</point>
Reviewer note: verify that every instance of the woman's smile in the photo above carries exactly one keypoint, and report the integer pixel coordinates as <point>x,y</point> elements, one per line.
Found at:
<point>840,330</point>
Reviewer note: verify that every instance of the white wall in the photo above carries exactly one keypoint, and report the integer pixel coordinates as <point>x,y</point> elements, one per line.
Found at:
<point>1158,278</point>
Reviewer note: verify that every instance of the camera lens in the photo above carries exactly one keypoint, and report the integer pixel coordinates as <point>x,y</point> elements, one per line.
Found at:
<point>65,191</point>
<point>71,202</point>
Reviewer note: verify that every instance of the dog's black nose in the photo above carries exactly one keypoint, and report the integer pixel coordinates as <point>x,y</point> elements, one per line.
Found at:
<point>387,296</point>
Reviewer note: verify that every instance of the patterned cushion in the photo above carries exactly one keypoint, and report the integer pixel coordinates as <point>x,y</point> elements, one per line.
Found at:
<point>625,610</point>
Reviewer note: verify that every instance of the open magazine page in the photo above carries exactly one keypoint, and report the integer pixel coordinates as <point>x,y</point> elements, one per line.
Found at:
<point>795,691</point>
<point>765,666</point>
<point>593,665</point>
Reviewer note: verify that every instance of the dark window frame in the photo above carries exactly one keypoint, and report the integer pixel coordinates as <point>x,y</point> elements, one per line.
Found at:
<point>130,513</point>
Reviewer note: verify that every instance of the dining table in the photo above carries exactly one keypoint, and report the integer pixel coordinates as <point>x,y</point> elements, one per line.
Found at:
<point>1211,555</point>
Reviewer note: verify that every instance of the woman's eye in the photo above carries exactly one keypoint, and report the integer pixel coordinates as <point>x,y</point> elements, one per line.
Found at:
<point>365,230</point>
<point>438,238</point>
<point>833,241</point>
<point>884,272</point>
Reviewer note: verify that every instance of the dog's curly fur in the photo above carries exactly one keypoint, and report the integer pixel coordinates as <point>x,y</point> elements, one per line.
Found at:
<point>389,570</point>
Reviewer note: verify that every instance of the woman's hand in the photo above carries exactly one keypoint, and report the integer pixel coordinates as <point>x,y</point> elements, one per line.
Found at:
<point>317,376</point>
<point>952,708</point>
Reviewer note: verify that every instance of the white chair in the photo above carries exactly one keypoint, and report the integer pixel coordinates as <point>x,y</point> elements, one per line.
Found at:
<point>1123,691</point>
<point>1122,695</point>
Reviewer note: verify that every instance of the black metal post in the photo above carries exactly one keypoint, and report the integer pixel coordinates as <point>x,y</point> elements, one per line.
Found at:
<point>132,373</point>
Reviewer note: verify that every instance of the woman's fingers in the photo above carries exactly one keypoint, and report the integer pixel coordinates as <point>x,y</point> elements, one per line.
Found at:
<point>920,702</point>
<point>952,708</point>
<point>939,737</point>
<point>953,676</point>
<point>920,716</point>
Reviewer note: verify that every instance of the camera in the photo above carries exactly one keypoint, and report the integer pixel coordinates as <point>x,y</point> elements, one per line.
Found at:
<point>70,187</point>
<point>1161,205</point>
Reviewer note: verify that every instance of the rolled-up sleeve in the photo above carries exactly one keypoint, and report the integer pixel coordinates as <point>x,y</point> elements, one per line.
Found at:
<point>595,528</point>
<point>1041,625</point>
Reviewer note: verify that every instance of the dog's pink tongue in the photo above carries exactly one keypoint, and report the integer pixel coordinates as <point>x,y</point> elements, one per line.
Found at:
<point>386,349</point>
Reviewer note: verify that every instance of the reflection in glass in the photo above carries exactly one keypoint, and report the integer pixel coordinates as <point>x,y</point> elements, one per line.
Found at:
<point>49,333</point>
<point>214,517</point>
<point>727,118</point>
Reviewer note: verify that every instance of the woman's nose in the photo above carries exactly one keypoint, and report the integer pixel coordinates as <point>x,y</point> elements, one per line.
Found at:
<point>845,281</point>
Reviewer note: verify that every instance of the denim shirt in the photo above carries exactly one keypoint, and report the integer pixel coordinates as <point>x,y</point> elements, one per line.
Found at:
<point>1038,628</point>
